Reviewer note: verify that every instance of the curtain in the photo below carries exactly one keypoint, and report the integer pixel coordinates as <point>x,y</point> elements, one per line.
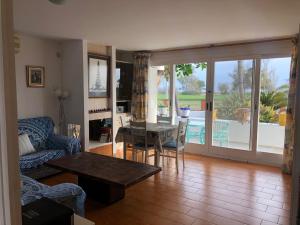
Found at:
<point>290,114</point>
<point>140,86</point>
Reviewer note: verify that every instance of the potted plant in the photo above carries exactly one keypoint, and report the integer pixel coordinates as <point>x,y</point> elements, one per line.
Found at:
<point>185,111</point>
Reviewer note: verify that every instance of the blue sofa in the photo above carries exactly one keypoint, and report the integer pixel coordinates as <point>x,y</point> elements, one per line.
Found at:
<point>67,194</point>
<point>48,145</point>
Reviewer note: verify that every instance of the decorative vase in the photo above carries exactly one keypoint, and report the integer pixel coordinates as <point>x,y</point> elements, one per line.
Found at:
<point>185,112</point>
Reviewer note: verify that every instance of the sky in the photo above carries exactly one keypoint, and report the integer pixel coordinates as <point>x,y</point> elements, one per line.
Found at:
<point>281,67</point>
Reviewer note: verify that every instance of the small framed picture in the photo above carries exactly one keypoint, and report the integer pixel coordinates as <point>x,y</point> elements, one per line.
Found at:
<point>98,76</point>
<point>35,76</point>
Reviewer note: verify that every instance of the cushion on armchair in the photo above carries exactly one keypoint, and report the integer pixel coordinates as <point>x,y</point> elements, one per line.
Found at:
<point>70,195</point>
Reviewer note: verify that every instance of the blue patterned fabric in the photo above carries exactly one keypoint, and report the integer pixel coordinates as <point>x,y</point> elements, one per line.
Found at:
<point>39,158</point>
<point>70,195</point>
<point>47,145</point>
<point>69,144</point>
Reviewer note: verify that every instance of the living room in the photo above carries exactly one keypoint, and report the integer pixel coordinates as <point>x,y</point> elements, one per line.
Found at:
<point>166,126</point>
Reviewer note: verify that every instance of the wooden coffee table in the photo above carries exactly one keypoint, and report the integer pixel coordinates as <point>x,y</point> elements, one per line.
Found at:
<point>104,178</point>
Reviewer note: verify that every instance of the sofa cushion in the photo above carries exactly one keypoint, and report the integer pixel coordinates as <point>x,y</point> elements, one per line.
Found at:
<point>25,146</point>
<point>38,130</point>
<point>38,158</point>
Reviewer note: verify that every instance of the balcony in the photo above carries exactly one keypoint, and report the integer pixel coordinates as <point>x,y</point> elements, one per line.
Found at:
<point>233,135</point>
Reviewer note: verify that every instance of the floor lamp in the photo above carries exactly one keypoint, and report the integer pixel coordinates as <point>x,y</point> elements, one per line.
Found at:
<point>61,96</point>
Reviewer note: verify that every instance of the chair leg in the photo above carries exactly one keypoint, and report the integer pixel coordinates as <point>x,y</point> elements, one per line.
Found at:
<point>134,154</point>
<point>163,157</point>
<point>183,158</point>
<point>146,156</point>
<point>177,161</point>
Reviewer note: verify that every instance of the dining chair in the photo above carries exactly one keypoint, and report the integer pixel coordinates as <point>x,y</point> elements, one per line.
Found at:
<point>164,119</point>
<point>139,140</point>
<point>176,146</point>
<point>125,121</point>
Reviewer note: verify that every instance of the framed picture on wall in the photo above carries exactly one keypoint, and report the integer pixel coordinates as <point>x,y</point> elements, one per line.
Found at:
<point>99,67</point>
<point>35,76</point>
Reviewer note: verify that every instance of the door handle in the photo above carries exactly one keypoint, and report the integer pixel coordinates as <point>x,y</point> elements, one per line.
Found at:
<point>211,106</point>
<point>207,106</point>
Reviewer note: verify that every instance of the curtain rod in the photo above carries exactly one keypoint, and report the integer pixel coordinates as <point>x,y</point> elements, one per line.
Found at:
<point>291,37</point>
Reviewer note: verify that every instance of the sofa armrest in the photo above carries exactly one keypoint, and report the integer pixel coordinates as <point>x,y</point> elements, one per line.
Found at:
<point>69,195</point>
<point>69,144</point>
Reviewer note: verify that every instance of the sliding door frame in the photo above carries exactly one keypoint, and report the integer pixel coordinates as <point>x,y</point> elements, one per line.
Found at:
<point>251,155</point>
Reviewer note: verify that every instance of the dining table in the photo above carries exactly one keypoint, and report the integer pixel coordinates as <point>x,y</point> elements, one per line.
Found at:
<point>157,134</point>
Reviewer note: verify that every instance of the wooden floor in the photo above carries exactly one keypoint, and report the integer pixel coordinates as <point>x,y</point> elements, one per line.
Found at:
<point>208,191</point>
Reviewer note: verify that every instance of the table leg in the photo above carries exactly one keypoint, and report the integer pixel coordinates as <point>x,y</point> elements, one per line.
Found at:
<point>158,150</point>
<point>102,192</point>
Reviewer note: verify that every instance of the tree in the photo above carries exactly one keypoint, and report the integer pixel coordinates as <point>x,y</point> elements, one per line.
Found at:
<point>184,70</point>
<point>242,79</point>
<point>191,84</point>
<point>224,88</point>
<point>268,78</point>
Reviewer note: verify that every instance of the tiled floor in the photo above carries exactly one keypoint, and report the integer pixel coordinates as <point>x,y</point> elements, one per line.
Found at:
<point>208,191</point>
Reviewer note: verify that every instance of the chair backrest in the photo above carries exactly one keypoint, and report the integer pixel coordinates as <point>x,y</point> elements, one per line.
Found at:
<point>220,126</point>
<point>38,130</point>
<point>181,134</point>
<point>125,121</point>
<point>164,119</point>
<point>138,132</point>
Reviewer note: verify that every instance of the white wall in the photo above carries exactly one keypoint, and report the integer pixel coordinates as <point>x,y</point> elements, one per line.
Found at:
<point>38,101</point>
<point>152,95</point>
<point>75,80</point>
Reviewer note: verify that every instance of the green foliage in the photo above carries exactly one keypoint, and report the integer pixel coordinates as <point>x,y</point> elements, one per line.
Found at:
<point>267,114</point>
<point>275,99</point>
<point>226,108</point>
<point>184,70</point>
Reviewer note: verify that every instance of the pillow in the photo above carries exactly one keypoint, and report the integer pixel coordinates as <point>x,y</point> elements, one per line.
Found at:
<point>25,146</point>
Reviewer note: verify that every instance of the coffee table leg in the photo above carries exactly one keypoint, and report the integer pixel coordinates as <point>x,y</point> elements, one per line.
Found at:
<point>102,192</point>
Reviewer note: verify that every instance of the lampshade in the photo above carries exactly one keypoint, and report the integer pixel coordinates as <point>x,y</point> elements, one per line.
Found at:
<point>65,94</point>
<point>58,92</point>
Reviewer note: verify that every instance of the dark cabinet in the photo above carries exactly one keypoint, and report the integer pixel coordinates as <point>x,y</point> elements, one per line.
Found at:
<point>124,77</point>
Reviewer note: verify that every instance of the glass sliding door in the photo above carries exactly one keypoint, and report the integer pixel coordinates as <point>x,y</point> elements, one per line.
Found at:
<point>274,87</point>
<point>190,98</point>
<point>231,107</point>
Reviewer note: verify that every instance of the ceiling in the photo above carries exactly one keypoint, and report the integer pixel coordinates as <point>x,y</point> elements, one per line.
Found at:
<point>159,24</point>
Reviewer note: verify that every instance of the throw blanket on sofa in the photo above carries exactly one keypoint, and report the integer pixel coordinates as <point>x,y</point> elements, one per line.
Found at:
<point>70,195</point>
<point>47,144</point>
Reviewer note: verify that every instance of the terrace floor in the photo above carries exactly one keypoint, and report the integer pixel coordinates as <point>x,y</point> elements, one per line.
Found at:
<point>208,191</point>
